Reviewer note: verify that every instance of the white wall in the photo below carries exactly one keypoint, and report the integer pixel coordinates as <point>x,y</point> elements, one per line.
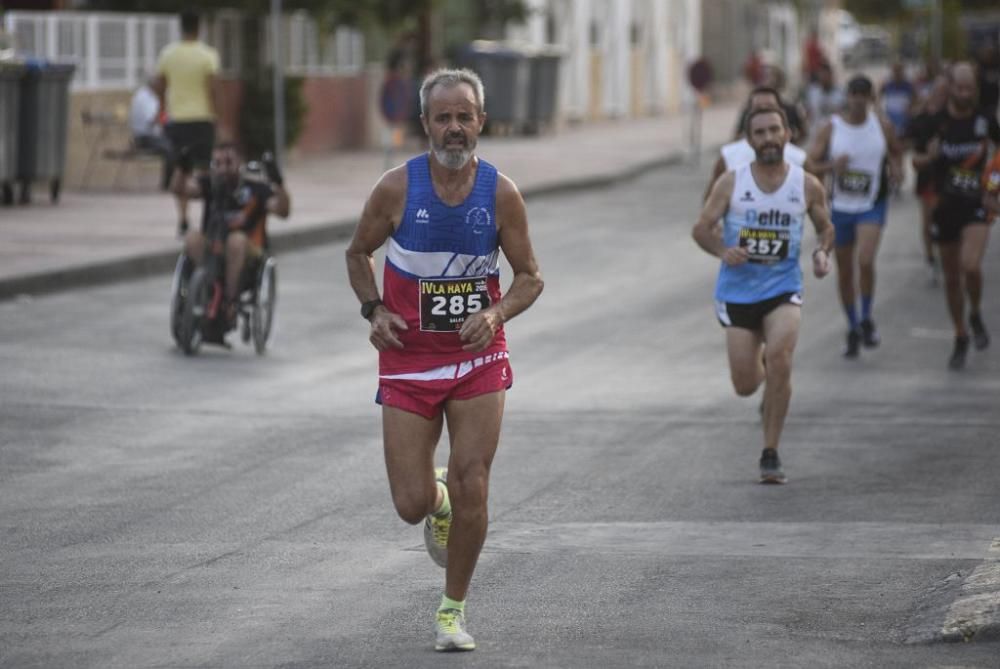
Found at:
<point>781,38</point>
<point>669,33</point>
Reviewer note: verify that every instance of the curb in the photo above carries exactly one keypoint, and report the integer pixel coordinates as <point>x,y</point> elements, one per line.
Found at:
<point>961,609</point>
<point>161,262</point>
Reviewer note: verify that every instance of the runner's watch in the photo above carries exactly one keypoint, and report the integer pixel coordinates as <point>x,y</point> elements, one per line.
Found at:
<point>368,308</point>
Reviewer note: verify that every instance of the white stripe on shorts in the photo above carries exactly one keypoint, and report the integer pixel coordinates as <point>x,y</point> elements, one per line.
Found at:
<point>720,311</point>
<point>448,372</point>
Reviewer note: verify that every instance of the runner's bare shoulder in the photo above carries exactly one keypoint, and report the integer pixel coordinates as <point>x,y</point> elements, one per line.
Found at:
<point>814,188</point>
<point>723,186</point>
<point>509,200</point>
<point>388,197</point>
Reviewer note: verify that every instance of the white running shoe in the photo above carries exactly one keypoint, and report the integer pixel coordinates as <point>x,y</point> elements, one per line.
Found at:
<point>451,634</point>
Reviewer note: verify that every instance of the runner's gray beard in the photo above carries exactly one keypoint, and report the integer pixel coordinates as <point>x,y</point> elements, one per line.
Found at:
<point>453,159</point>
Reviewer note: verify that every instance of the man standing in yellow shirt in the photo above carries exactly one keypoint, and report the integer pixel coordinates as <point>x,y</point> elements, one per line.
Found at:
<point>186,81</point>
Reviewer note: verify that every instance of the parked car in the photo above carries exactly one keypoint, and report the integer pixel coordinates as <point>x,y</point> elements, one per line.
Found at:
<point>848,34</point>
<point>873,46</point>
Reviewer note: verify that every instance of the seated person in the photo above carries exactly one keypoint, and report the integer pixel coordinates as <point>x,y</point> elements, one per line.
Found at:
<point>246,204</point>
<point>147,132</point>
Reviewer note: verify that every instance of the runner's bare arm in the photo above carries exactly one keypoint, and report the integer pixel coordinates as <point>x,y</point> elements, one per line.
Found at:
<point>803,131</point>
<point>717,171</point>
<point>816,205</point>
<point>925,152</point>
<point>280,202</point>
<point>894,147</point>
<point>707,232</point>
<point>381,215</point>
<point>820,163</point>
<point>512,230</point>
<point>160,88</point>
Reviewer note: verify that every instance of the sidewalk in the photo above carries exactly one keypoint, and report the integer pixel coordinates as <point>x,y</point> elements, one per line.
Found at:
<point>90,238</point>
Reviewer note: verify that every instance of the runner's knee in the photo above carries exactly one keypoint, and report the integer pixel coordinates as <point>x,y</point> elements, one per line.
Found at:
<point>745,384</point>
<point>970,266</point>
<point>468,485</point>
<point>411,506</point>
<point>236,242</point>
<point>779,364</point>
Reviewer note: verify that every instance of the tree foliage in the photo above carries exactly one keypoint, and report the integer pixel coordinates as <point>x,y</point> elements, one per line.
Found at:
<point>350,12</point>
<point>882,11</point>
<point>257,113</point>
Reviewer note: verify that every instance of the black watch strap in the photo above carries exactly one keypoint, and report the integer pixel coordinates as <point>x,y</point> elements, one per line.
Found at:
<point>368,308</point>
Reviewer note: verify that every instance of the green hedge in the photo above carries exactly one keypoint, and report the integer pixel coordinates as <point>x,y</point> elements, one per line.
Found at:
<point>257,113</point>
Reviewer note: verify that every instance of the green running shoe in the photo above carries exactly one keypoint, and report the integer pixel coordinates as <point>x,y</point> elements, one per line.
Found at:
<point>451,634</point>
<point>436,529</point>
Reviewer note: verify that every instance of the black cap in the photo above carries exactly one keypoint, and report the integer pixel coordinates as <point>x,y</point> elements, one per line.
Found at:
<point>860,85</point>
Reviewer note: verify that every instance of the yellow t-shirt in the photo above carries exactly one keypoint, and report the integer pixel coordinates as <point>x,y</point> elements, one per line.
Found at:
<point>187,66</point>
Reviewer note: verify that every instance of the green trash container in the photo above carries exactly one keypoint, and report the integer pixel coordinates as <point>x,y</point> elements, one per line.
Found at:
<point>543,89</point>
<point>44,118</point>
<point>504,71</point>
<point>10,111</point>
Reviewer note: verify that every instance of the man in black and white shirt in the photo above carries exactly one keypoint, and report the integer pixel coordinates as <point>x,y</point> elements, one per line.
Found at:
<point>956,153</point>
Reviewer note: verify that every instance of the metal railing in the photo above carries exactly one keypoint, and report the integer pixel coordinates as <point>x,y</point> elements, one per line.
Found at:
<point>110,51</point>
<point>115,51</point>
<point>310,52</point>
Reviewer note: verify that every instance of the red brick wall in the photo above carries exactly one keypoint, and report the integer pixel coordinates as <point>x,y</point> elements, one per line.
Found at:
<point>230,101</point>
<point>335,114</point>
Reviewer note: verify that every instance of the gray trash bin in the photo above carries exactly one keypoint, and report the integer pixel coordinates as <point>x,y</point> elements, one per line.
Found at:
<point>10,111</point>
<point>44,117</point>
<point>505,73</point>
<point>543,89</point>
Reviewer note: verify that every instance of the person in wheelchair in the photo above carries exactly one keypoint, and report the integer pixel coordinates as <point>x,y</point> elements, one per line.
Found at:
<point>246,195</point>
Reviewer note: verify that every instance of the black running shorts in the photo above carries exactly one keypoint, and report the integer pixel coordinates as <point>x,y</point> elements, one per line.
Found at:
<point>751,316</point>
<point>197,136</point>
<point>951,215</point>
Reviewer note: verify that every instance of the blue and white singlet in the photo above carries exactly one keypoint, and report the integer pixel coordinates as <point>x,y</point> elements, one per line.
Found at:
<point>769,226</point>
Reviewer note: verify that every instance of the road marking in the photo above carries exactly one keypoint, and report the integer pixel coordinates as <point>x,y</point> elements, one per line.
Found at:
<point>905,541</point>
<point>929,333</point>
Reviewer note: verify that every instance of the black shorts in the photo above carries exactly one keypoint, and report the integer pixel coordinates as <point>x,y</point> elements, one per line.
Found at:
<point>952,214</point>
<point>751,316</point>
<point>197,136</point>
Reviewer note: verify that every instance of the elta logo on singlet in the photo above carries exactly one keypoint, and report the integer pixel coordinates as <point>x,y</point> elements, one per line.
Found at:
<point>770,217</point>
<point>747,197</point>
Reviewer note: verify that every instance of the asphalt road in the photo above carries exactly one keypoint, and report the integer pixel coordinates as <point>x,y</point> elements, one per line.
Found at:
<point>232,511</point>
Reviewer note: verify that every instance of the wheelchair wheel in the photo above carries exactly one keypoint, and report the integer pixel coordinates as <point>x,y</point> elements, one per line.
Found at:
<point>178,293</point>
<point>262,316</point>
<point>193,314</point>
